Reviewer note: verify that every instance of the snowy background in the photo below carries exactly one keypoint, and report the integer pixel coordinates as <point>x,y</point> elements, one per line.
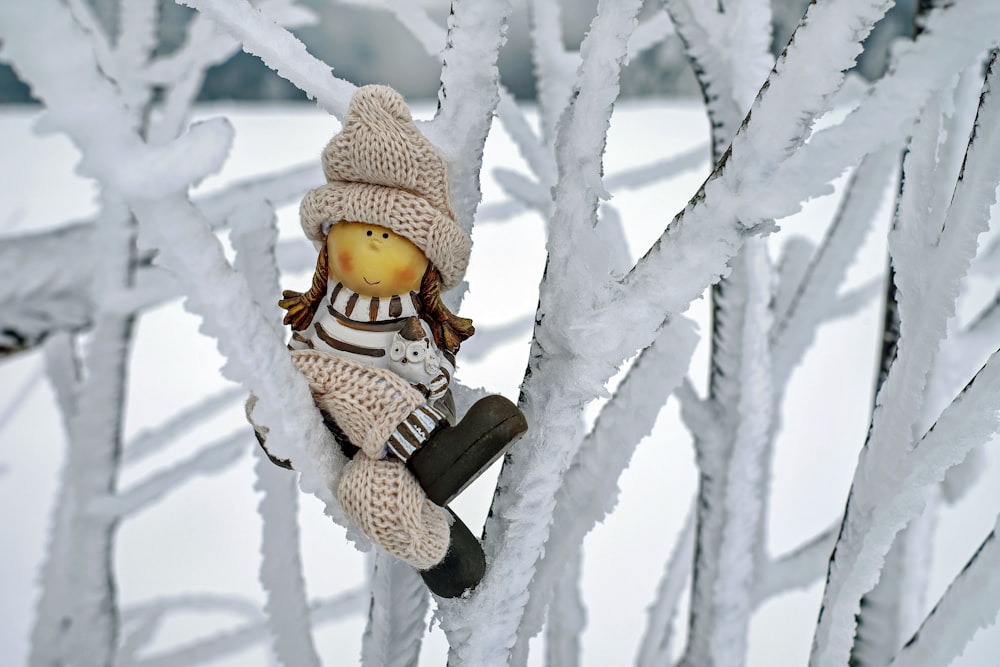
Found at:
<point>165,545</point>
<point>204,538</point>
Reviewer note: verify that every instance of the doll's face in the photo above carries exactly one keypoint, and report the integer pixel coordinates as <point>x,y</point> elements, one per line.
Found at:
<point>374,261</point>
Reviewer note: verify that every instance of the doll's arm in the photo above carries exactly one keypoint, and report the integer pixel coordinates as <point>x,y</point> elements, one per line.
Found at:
<point>440,373</point>
<point>438,385</point>
<point>366,403</point>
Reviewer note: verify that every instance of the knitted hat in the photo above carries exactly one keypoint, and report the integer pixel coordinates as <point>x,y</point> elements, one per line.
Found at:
<point>381,170</point>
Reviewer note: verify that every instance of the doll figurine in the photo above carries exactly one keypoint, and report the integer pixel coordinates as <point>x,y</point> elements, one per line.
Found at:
<point>377,344</point>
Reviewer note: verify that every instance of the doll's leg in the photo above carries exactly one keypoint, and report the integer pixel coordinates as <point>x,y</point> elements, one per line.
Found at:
<point>386,503</point>
<point>455,456</point>
<point>418,427</point>
<point>366,403</point>
<point>384,500</point>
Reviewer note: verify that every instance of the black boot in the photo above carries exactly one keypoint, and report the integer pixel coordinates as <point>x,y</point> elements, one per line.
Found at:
<point>461,568</point>
<point>456,455</point>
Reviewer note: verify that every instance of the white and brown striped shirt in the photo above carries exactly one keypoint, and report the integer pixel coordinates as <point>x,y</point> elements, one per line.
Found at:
<point>361,328</point>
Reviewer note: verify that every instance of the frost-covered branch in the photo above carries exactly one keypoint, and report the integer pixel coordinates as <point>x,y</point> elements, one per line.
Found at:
<point>589,490</point>
<point>77,613</point>
<point>396,625</point>
<point>245,636</point>
<point>206,461</point>
<point>467,97</point>
<point>141,622</point>
<point>656,645</point>
<point>253,237</point>
<point>52,295</point>
<point>649,33</point>
<point>732,466</point>
<point>150,441</point>
<point>554,66</point>
<point>660,170</point>
<point>890,472</point>
<point>728,48</point>
<point>798,568</point>
<point>967,423</point>
<point>971,602</point>
<point>567,617</point>
<point>796,324</point>
<point>954,38</point>
<point>280,50</point>
<point>517,528</point>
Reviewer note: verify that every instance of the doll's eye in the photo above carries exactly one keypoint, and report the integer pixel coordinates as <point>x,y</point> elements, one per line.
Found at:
<point>369,232</point>
<point>385,235</point>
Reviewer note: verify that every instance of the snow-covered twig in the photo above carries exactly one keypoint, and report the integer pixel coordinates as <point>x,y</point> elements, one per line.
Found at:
<point>253,237</point>
<point>21,394</point>
<point>796,323</point>
<point>891,473</point>
<point>396,625</point>
<point>672,274</point>
<point>554,66</point>
<point>149,441</point>
<point>279,50</point>
<point>516,530</point>
<point>208,460</point>
<point>732,466</point>
<point>729,51</point>
<point>894,608</point>
<point>954,37</point>
<point>538,156</point>
<point>971,602</point>
<point>247,635</point>
<point>798,568</point>
<point>649,33</point>
<point>968,422</point>
<point>51,295</point>
<point>467,97</point>
<point>656,646</point>
<point>77,612</point>
<point>849,303</point>
<point>141,622</point>
<point>660,170</point>
<point>567,617</point>
<point>524,190</point>
<point>589,490</point>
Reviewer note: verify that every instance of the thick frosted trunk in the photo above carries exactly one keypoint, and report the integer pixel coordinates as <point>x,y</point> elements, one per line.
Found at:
<point>730,461</point>
<point>78,609</point>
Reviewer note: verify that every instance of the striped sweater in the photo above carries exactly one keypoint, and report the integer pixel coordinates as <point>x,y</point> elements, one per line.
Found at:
<point>361,328</point>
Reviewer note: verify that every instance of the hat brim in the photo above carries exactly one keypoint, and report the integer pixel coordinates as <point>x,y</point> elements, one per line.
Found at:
<point>437,235</point>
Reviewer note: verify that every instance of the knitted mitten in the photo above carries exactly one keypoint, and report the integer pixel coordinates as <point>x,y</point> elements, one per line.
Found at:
<point>383,499</point>
<point>366,403</point>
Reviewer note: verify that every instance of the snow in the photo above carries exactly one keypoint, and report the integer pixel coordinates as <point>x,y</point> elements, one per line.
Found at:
<point>280,50</point>
<point>399,604</point>
<point>204,537</point>
<point>585,292</point>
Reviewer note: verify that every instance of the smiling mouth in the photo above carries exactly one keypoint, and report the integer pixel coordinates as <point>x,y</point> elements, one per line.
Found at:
<point>372,284</point>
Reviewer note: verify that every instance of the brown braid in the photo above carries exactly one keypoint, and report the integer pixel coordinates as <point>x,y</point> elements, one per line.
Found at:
<point>449,330</point>
<point>302,307</point>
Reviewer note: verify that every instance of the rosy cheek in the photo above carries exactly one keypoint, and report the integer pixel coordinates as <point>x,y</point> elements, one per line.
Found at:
<point>405,276</point>
<point>345,261</point>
